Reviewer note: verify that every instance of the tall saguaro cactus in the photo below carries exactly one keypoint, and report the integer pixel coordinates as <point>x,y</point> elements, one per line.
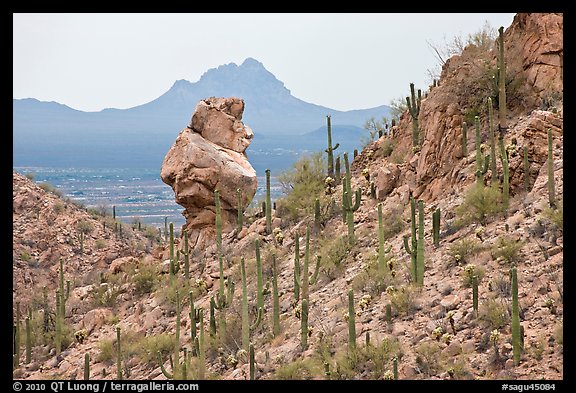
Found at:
<point>259,278</point>
<point>417,250</point>
<point>551,184</point>
<point>304,325</point>
<point>516,341</point>
<point>506,174</point>
<point>186,256</point>
<point>304,282</point>
<point>502,126</point>
<point>492,143</point>
<point>351,324</point>
<point>330,149</point>
<point>118,355</point>
<point>246,327</point>
<point>268,204</point>
<point>436,227</point>
<point>414,110</point>
<point>86,366</point>
<point>348,208</point>
<point>297,267</point>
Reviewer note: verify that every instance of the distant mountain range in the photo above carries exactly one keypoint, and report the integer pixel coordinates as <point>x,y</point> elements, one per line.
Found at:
<point>52,134</point>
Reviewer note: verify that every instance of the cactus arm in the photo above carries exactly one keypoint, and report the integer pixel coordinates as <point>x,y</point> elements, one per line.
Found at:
<point>162,368</point>
<point>314,277</point>
<point>304,325</point>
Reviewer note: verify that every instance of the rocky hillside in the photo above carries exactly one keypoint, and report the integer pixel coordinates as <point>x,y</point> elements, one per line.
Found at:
<point>432,330</point>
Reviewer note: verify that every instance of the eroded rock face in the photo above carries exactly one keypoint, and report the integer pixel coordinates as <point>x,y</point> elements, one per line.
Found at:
<point>209,154</point>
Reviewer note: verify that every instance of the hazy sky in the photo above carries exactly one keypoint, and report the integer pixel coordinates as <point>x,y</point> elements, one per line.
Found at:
<point>342,61</point>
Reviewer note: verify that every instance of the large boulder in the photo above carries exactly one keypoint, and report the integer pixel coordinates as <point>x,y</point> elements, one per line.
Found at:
<point>208,155</point>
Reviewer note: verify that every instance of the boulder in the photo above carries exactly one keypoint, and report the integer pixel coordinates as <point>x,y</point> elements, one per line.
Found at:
<point>208,155</point>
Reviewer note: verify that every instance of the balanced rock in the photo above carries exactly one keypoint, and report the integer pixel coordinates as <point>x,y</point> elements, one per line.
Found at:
<point>208,155</point>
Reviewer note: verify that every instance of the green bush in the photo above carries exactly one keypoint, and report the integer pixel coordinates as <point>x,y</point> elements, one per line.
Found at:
<point>428,358</point>
<point>300,370</point>
<point>84,226</point>
<point>554,217</point>
<point>25,256</point>
<point>58,207</point>
<point>145,279</point>
<point>372,279</point>
<point>334,252</point>
<point>301,185</point>
<point>403,299</point>
<point>507,248</point>
<point>461,250</point>
<point>496,312</point>
<point>50,188</point>
<point>147,348</point>
<point>480,204</point>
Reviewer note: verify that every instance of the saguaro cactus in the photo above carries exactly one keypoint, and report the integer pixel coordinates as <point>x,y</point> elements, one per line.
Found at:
<point>246,327</point>
<point>351,324</point>
<point>302,283</point>
<point>259,278</point>
<point>275,299</point>
<point>252,362</point>
<point>337,171</point>
<point>551,184</point>
<point>348,208</point>
<point>505,177</point>
<point>330,149</point>
<point>492,143</point>
<point>414,110</point>
<point>501,83</point>
<point>480,168</point>
<point>417,250</point>
<point>516,340</point>
<point>86,366</point>
<point>526,170</point>
<point>382,251</point>
<point>436,227</point>
<point>29,336</point>
<point>296,267</point>
<point>317,215</point>
<point>304,325</point>
<point>172,258</point>
<point>118,355</point>
<point>268,204</point>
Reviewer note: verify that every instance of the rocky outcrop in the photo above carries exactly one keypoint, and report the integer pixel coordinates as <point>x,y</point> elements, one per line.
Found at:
<point>209,155</point>
<point>534,51</point>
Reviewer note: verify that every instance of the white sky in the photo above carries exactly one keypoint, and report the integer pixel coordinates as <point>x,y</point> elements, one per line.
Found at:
<point>342,61</point>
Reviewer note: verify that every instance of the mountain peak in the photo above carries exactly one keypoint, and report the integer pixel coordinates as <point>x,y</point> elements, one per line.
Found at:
<point>251,62</point>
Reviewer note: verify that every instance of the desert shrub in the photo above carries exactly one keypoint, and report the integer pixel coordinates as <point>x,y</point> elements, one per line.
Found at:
<point>145,279</point>
<point>501,286</point>
<point>554,218</point>
<point>372,279</point>
<point>507,249</point>
<point>104,293</point>
<point>559,334</point>
<point>84,226</point>
<point>428,358</point>
<point>100,244</point>
<point>403,299</point>
<point>25,256</point>
<point>495,312</point>
<point>480,204</point>
<point>461,250</point>
<point>301,185</point>
<point>374,360</point>
<point>334,252</point>
<point>392,221</point>
<point>50,188</point>
<point>147,348</point>
<point>58,207</point>
<point>30,175</point>
<point>299,370</point>
<point>129,342</point>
